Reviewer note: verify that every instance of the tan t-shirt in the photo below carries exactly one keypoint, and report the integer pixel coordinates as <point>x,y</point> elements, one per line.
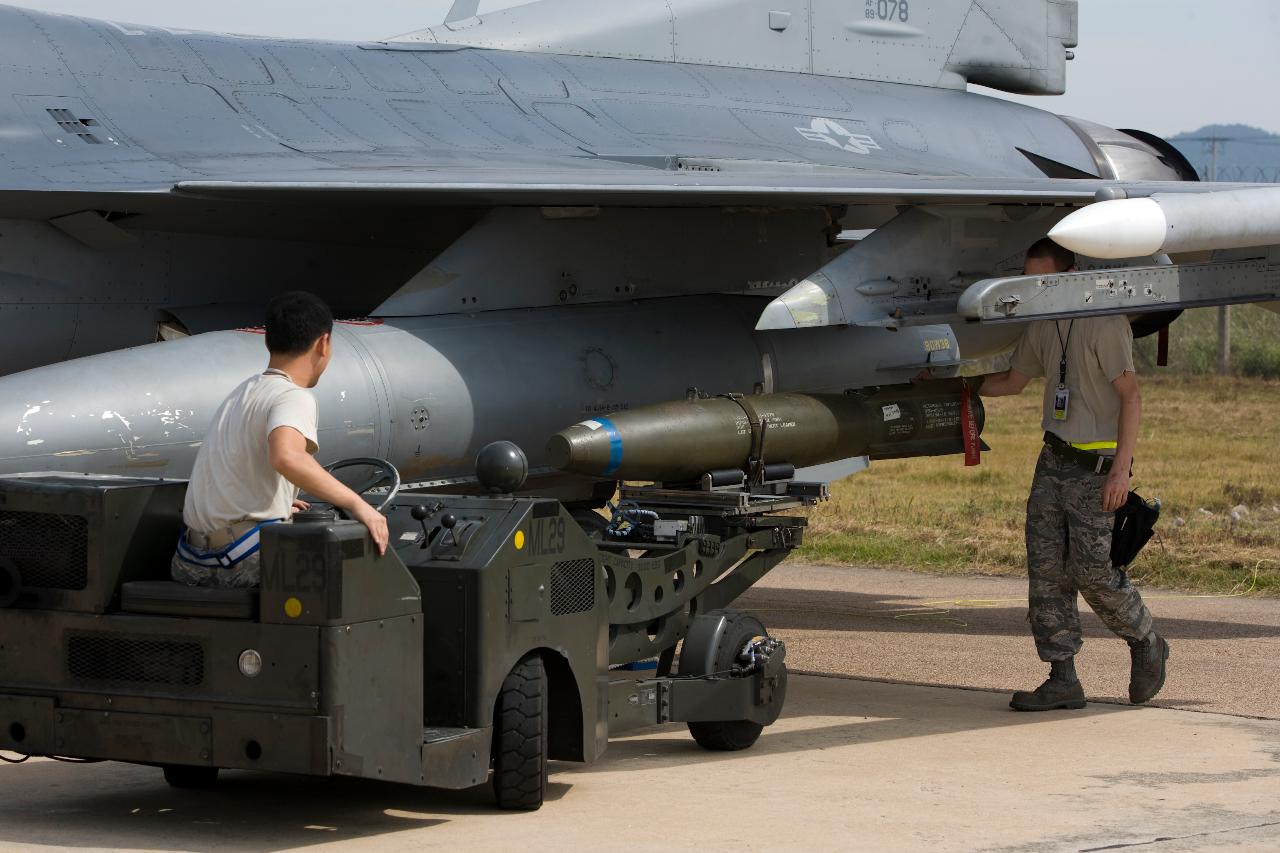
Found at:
<point>1099,351</point>
<point>233,479</point>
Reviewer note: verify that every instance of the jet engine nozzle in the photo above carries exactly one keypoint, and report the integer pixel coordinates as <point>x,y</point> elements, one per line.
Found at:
<point>680,441</point>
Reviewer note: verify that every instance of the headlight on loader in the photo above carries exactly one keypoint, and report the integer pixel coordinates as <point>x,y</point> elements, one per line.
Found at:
<point>250,663</point>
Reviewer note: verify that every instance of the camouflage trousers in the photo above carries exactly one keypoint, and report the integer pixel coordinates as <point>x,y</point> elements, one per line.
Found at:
<point>1069,552</point>
<point>244,574</point>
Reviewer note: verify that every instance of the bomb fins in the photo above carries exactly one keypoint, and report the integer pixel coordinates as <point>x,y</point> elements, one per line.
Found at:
<point>681,441</point>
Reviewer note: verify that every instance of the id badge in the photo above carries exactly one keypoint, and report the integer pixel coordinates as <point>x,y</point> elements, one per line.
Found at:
<point>1061,398</point>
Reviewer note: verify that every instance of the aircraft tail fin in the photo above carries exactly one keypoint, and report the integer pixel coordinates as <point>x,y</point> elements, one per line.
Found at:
<point>1017,46</point>
<point>461,10</point>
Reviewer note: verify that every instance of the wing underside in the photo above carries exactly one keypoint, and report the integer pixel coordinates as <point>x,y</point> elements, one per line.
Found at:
<point>836,295</point>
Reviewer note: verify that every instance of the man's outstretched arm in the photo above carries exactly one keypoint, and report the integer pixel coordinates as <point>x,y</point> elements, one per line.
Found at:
<point>289,457</point>
<point>1005,384</point>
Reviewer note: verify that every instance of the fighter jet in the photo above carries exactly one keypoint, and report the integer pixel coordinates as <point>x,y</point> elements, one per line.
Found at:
<point>561,211</point>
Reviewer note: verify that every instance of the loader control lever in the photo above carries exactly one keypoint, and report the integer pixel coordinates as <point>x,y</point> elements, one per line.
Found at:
<point>420,514</point>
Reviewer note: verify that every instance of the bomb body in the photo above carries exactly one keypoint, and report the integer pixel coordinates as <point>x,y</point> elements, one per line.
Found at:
<point>681,441</point>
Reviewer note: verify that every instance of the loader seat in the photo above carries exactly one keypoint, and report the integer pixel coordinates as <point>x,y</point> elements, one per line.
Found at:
<point>168,598</point>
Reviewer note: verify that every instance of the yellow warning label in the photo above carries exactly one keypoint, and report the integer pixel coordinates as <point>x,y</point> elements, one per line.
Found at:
<point>518,540</point>
<point>293,608</point>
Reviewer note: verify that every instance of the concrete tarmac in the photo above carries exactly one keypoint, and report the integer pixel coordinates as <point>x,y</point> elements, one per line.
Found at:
<point>972,632</point>
<point>852,765</point>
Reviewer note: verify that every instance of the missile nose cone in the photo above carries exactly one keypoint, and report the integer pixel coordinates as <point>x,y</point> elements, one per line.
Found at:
<point>1123,228</point>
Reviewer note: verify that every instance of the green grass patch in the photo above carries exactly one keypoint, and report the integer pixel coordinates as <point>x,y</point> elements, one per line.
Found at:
<point>1207,444</point>
<point>1209,576</point>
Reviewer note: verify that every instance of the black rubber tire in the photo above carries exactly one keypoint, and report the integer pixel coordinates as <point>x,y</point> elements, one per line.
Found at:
<point>728,736</point>
<point>520,737</point>
<point>187,776</point>
<point>734,735</point>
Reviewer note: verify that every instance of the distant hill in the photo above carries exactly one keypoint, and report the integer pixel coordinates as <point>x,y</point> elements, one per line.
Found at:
<point>1245,153</point>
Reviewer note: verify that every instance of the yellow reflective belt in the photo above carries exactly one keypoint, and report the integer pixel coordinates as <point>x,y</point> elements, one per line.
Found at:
<point>1095,445</point>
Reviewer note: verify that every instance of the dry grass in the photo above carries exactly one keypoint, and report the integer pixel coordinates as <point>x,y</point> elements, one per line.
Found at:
<point>1206,444</point>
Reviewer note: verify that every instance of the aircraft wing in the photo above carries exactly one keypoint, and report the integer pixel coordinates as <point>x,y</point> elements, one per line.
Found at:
<point>736,185</point>
<point>1248,273</point>
<point>653,188</point>
<point>922,244</point>
<point>1135,220</point>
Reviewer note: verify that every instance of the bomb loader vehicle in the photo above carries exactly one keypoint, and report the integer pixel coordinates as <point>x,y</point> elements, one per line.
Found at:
<point>486,640</point>
<point>479,647</point>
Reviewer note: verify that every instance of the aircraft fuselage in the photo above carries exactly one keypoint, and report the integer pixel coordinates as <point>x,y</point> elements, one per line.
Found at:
<point>137,110</point>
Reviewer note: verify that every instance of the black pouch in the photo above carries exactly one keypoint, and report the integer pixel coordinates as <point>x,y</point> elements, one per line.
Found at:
<point>1135,524</point>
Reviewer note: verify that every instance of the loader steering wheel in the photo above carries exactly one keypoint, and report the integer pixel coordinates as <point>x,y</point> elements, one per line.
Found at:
<point>384,473</point>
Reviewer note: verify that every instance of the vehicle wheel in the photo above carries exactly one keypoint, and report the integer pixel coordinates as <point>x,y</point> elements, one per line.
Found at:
<point>186,776</point>
<point>740,629</point>
<point>520,737</point>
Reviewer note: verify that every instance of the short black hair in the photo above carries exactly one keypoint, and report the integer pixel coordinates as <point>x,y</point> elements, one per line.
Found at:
<point>1063,259</point>
<point>295,321</point>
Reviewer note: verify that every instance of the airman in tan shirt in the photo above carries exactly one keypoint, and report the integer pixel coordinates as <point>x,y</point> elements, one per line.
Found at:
<point>1090,418</point>
<point>1099,351</point>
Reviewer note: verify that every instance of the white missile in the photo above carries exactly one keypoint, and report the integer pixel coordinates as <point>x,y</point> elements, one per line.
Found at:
<point>1173,222</point>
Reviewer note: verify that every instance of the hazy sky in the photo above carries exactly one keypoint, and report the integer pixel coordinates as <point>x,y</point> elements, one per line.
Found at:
<point>1163,66</point>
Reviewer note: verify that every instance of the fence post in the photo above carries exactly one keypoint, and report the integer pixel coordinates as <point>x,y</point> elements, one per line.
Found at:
<point>1224,340</point>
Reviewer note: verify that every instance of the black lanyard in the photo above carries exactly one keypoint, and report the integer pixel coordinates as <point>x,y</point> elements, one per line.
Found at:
<point>1062,363</point>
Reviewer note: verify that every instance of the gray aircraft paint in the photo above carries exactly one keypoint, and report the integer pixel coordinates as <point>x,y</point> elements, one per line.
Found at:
<point>143,108</point>
<point>1013,45</point>
<point>199,105</point>
<point>550,226</point>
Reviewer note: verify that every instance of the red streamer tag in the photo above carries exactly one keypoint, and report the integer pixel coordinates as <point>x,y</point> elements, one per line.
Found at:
<point>969,428</point>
